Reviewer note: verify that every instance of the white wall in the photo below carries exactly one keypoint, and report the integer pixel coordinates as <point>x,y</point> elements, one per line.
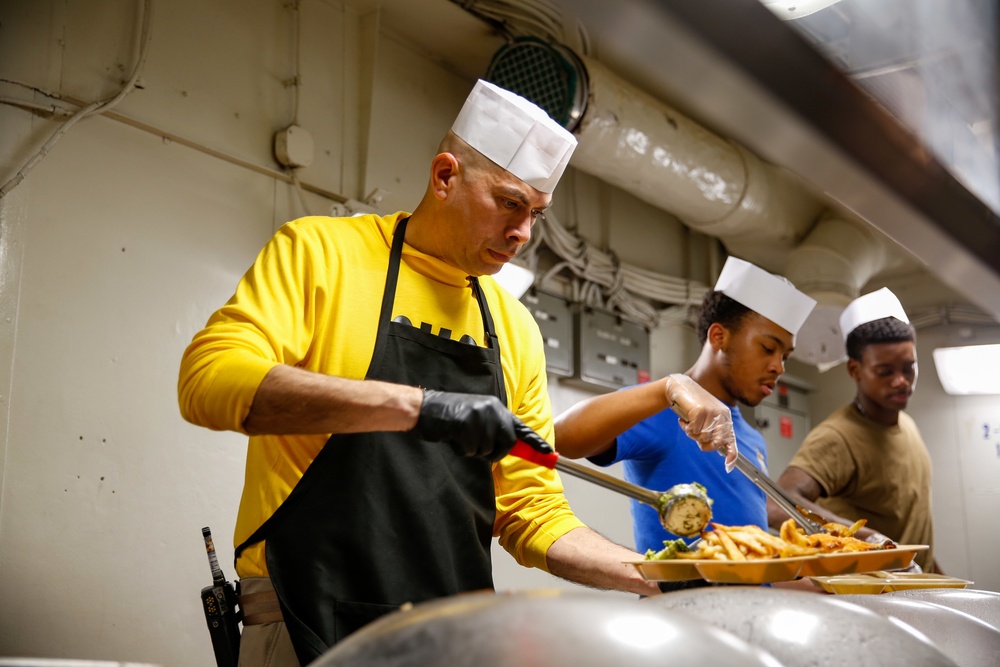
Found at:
<point>966,464</point>
<point>115,250</point>
<point>119,245</point>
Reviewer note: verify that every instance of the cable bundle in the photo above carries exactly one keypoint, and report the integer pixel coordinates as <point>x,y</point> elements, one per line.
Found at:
<point>600,279</point>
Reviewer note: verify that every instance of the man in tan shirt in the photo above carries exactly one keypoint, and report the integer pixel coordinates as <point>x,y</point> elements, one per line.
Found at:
<point>867,460</point>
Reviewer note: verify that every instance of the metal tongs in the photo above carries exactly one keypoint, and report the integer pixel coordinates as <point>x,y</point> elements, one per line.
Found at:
<point>537,451</point>
<point>802,516</point>
<point>810,521</point>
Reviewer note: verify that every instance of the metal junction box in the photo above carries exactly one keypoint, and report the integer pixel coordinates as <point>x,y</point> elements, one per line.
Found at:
<point>555,320</point>
<point>611,352</point>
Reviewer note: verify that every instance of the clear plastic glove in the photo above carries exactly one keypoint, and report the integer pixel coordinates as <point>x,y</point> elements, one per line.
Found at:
<point>471,424</point>
<point>705,419</point>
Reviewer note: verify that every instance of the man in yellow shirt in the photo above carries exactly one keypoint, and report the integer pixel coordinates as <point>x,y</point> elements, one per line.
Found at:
<point>378,369</point>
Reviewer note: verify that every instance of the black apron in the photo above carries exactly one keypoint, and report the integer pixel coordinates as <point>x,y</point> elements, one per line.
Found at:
<point>381,519</point>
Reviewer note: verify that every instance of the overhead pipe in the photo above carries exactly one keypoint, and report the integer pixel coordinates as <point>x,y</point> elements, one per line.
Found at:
<point>838,256</point>
<point>714,186</point>
<point>832,263</point>
<point>632,140</point>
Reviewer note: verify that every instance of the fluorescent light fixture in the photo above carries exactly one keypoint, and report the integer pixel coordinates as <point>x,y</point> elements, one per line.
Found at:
<point>515,279</point>
<point>974,369</point>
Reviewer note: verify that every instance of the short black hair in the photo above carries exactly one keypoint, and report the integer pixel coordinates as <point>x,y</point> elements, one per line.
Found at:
<point>885,330</point>
<point>717,307</point>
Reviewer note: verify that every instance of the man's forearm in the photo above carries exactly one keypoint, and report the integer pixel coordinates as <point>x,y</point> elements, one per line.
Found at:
<point>591,426</point>
<point>585,557</point>
<point>293,400</point>
<point>804,489</point>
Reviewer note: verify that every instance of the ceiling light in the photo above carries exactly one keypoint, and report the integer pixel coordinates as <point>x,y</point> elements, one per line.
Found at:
<point>974,369</point>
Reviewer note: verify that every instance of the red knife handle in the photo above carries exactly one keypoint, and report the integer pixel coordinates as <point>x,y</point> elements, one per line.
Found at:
<point>525,451</point>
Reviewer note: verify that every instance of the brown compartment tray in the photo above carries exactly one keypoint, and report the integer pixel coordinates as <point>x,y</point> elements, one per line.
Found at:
<point>769,570</point>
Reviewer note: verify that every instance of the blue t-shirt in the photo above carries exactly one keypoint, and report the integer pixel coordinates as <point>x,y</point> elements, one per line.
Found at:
<point>658,454</point>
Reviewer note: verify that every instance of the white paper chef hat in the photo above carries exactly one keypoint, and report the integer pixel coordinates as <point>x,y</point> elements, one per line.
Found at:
<point>515,134</point>
<point>766,294</point>
<point>870,307</point>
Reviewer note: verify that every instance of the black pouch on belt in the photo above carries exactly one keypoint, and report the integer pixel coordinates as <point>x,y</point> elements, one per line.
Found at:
<point>221,611</point>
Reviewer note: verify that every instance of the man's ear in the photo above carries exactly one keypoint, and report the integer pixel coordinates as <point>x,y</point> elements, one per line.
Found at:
<point>854,369</point>
<point>444,169</point>
<point>717,336</point>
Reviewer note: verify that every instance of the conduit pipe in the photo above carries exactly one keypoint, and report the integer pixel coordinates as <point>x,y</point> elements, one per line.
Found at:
<point>836,259</point>
<point>632,140</point>
<point>759,212</point>
<point>831,264</point>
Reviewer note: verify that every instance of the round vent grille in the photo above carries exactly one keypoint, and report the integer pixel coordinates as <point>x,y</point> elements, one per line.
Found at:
<point>549,75</point>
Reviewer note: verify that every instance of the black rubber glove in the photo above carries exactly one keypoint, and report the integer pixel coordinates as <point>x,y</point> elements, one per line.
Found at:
<point>471,424</point>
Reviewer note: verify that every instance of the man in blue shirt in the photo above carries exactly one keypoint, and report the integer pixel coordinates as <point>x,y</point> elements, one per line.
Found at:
<point>746,327</point>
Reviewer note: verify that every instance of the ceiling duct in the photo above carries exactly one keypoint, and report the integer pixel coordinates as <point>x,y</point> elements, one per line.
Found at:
<point>636,142</point>
<point>632,140</point>
<point>831,264</point>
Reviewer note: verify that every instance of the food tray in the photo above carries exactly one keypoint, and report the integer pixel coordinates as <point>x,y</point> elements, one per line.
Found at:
<point>762,571</point>
<point>827,565</point>
<point>886,582</point>
<point>770,570</point>
<point>667,570</point>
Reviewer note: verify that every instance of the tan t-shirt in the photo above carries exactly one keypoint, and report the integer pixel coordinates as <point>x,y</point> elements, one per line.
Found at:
<point>875,472</point>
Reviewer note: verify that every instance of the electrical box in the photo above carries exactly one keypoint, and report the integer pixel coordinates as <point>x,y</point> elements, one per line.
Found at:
<point>611,352</point>
<point>293,146</point>
<point>555,320</point>
<point>783,420</point>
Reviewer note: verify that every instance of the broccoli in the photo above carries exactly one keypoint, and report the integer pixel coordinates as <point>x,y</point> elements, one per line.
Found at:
<point>669,550</point>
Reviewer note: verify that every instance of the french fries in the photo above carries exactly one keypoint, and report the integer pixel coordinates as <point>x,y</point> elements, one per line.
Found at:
<point>740,543</point>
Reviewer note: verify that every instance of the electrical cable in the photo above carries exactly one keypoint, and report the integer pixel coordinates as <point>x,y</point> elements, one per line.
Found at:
<point>299,191</point>
<point>296,83</point>
<point>517,18</point>
<point>599,279</point>
<point>92,108</point>
<point>51,109</point>
<point>296,45</point>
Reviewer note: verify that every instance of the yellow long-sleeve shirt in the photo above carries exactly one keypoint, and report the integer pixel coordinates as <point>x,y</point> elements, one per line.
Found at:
<point>311,299</point>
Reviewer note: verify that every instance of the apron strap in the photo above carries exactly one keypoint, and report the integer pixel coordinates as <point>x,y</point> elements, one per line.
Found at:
<point>492,341</point>
<point>391,275</point>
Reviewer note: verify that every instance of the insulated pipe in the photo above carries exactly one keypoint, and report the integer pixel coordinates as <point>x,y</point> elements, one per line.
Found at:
<point>634,141</point>
<point>718,188</point>
<point>759,212</point>
<point>835,260</point>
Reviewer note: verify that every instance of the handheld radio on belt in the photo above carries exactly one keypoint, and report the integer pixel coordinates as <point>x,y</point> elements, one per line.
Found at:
<point>219,601</point>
